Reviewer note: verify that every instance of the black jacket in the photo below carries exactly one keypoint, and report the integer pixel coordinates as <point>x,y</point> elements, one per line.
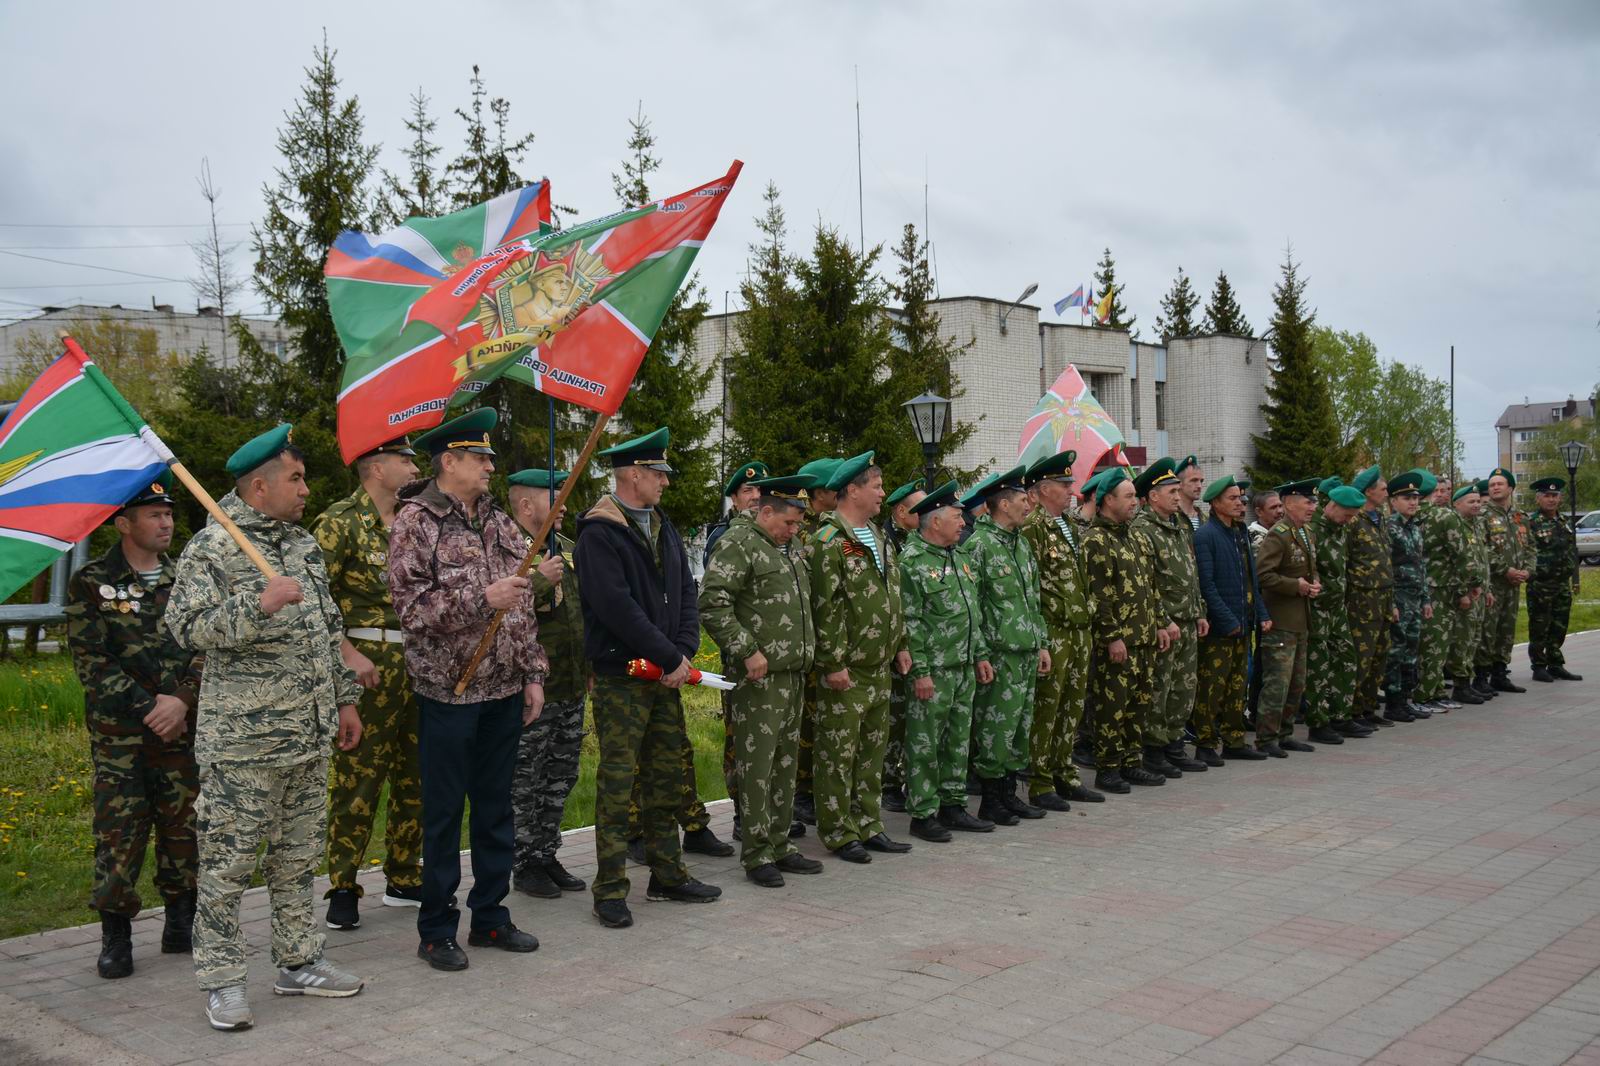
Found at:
<point>633,609</point>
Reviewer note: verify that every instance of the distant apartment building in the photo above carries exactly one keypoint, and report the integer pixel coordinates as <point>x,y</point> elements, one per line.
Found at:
<point>183,332</point>
<point>1520,423</point>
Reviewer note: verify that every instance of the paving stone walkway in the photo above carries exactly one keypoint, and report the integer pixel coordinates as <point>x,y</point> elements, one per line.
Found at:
<point>1427,896</point>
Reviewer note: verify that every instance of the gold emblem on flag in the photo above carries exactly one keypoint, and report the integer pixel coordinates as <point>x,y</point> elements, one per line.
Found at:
<point>532,301</point>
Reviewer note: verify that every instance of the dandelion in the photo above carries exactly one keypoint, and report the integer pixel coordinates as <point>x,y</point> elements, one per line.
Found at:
<point>22,874</point>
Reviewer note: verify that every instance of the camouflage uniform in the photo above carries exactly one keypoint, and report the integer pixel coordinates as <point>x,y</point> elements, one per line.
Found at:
<point>1555,577</point>
<point>1283,556</point>
<point>944,630</point>
<point>1177,577</point>
<point>124,659</point>
<point>1509,547</point>
<point>810,524</point>
<point>1332,655</point>
<point>1411,598</point>
<point>756,596</point>
<point>355,547</point>
<point>1370,601</point>
<point>1442,561</point>
<point>860,627</point>
<point>1066,605</point>
<point>1013,633</point>
<point>1482,566</point>
<point>269,706</point>
<point>1467,573</point>
<point>1127,607</point>
<point>550,746</point>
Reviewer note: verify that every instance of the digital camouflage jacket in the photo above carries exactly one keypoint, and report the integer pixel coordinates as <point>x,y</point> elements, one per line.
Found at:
<point>944,623</point>
<point>1008,588</point>
<point>757,597</point>
<point>1406,552</point>
<point>1436,523</point>
<point>1063,585</point>
<point>1171,543</point>
<point>1506,541</point>
<point>1122,582</point>
<point>1369,564</point>
<point>355,547</point>
<point>1555,547</point>
<point>1329,540</point>
<point>855,607</point>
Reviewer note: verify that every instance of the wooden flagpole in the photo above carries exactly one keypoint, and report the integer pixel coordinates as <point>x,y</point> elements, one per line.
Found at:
<point>539,540</point>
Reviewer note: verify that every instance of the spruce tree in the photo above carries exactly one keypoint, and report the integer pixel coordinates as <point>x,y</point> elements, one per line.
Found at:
<point>1105,280</point>
<point>1223,313</point>
<point>1302,438</point>
<point>422,191</point>
<point>1177,309</point>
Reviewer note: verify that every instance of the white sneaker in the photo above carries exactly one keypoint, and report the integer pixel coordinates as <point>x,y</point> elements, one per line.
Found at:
<point>226,1008</point>
<point>320,978</point>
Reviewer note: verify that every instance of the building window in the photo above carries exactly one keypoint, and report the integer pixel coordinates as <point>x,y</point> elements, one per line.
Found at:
<point>1519,457</point>
<point>1133,401</point>
<point>1161,405</point>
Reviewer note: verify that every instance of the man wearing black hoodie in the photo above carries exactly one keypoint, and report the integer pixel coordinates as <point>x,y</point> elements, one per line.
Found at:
<point>639,603</point>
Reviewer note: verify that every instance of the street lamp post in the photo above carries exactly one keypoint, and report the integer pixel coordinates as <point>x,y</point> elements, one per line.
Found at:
<point>1572,453</point>
<point>930,417</point>
<point>1005,312</point>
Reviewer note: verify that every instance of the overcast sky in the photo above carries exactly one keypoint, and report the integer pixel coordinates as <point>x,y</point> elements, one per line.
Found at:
<point>1435,165</point>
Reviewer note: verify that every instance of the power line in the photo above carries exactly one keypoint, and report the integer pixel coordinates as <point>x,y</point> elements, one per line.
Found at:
<point>86,247</point>
<point>91,266</point>
<point>76,285</point>
<point>118,225</point>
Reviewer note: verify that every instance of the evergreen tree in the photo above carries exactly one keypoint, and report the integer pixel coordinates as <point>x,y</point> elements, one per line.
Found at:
<point>671,382</point>
<point>1105,280</point>
<point>1177,310</point>
<point>922,359</point>
<point>422,191</point>
<point>1302,437</point>
<point>1223,313</point>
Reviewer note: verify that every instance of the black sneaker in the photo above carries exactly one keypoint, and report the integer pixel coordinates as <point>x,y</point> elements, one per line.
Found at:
<point>402,895</point>
<point>537,883</point>
<point>705,842</point>
<point>506,937</point>
<point>344,910</point>
<point>766,875</point>
<point>564,881</point>
<point>442,954</point>
<point>796,863</point>
<point>691,891</point>
<point>613,913</point>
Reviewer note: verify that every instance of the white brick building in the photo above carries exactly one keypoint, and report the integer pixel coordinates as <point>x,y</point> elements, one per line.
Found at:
<point>182,332</point>
<point>1200,395</point>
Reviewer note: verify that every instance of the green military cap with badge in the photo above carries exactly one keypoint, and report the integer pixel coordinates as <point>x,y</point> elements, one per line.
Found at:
<point>1056,467</point>
<point>1366,479</point>
<point>1407,484</point>
<point>943,496</point>
<point>819,471</point>
<point>1469,489</point>
<point>1348,496</point>
<point>539,478</point>
<point>1500,471</point>
<point>1306,487</point>
<point>158,491</point>
<point>1179,466</point>
<point>398,446</point>
<point>1163,471</point>
<point>902,492</point>
<point>260,450</point>
<point>469,433</point>
<point>1426,482</point>
<point>791,489</point>
<point>848,470</point>
<point>997,483</point>
<point>1221,485</point>
<point>1550,484</point>
<point>974,498</point>
<point>648,451</point>
<point>747,472</point>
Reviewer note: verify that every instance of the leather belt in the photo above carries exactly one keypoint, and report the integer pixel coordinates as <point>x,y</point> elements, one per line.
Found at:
<point>386,636</point>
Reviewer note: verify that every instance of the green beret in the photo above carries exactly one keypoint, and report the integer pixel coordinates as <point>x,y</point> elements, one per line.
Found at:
<point>848,470</point>
<point>943,496</point>
<point>1058,465</point>
<point>469,433</point>
<point>1161,472</point>
<point>747,472</point>
<point>539,478</point>
<point>1426,482</point>
<point>1470,488</point>
<point>1483,486</point>
<point>1347,496</point>
<point>1410,481</point>
<point>1306,487</point>
<point>1183,464</point>
<point>398,446</point>
<point>259,449</point>
<point>1110,480</point>
<point>1550,484</point>
<point>819,471</point>
<point>1328,484</point>
<point>1090,483</point>
<point>791,488</point>
<point>902,492</point>
<point>160,491</point>
<point>1366,479</point>
<point>648,451</point>
<point>974,497</point>
<point>1221,485</point>
<point>1500,471</point>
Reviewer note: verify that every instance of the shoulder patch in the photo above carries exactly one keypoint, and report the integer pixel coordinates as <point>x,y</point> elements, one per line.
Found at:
<point>826,534</point>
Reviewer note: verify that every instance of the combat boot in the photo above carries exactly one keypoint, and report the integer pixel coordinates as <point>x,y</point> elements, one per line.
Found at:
<point>957,818</point>
<point>930,829</point>
<point>534,881</point>
<point>1561,673</point>
<point>1480,684</point>
<point>1326,734</point>
<point>1015,803</point>
<point>1541,674</point>
<point>1464,695</point>
<point>1210,757</point>
<point>1155,760</point>
<point>1395,710</point>
<point>1138,775</point>
<point>704,842</point>
<point>116,946</point>
<point>1178,756</point>
<point>1501,681</point>
<point>893,799</point>
<point>177,934</point>
<point>1111,781</point>
<point>805,810</point>
<point>993,807</point>
<point>562,879</point>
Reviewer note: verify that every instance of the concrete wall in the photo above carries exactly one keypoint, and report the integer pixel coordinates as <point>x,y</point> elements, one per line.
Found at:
<point>176,331</point>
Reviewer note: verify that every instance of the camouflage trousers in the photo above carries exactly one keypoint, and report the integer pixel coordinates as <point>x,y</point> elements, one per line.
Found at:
<point>241,808</point>
<point>1222,683</point>
<point>894,754</point>
<point>808,736</point>
<point>387,752</point>
<point>1331,663</point>
<point>1403,676</point>
<point>730,775</point>
<point>1177,673</point>
<point>547,768</point>
<point>765,727</point>
<point>1465,625</point>
<point>1499,627</point>
<point>1549,610</point>
<point>1369,637</point>
<point>1002,715</point>
<point>688,811</point>
<point>642,736</point>
<point>1282,654</point>
<point>1057,705</point>
<point>852,731</point>
<point>1121,693</point>
<point>1434,649</point>
<point>142,784</point>
<point>937,731</point>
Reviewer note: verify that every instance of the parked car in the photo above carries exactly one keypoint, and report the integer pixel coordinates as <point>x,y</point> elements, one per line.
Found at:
<point>1589,539</point>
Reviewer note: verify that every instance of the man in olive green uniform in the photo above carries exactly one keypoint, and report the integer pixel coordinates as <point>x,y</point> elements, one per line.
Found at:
<point>1511,563</point>
<point>1483,610</point>
<point>1554,581</point>
<point>354,537</point>
<point>139,696</point>
<point>1369,594</point>
<point>1435,515</point>
<point>902,523</point>
<point>861,637</point>
<point>1171,540</point>
<point>823,500</point>
<point>755,603</point>
<point>1286,561</point>
<point>1056,536</point>
<point>1127,636</point>
<point>1331,659</point>
<point>1468,590</point>
<point>949,659</point>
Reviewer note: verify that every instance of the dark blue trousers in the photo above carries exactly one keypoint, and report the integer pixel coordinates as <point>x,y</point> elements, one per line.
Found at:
<point>468,752</point>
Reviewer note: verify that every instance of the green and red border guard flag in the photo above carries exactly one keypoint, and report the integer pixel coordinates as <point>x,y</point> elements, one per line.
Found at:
<point>436,309</point>
<point>1068,416</point>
